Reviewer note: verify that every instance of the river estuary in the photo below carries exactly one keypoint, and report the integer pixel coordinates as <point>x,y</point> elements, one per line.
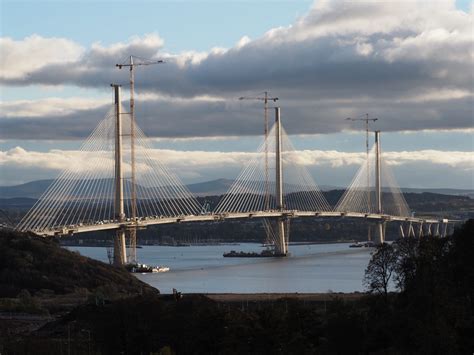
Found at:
<point>203,269</point>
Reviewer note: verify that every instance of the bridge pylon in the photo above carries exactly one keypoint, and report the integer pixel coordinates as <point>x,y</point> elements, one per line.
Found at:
<point>120,251</point>
<point>281,247</point>
<point>291,189</point>
<point>374,191</point>
<point>378,189</point>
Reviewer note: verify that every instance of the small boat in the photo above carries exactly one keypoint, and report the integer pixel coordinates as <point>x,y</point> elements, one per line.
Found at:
<point>161,269</point>
<point>143,268</point>
<point>356,245</point>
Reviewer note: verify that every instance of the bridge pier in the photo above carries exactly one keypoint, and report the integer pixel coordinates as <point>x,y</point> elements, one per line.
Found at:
<point>436,230</point>
<point>281,247</point>
<point>381,226</point>
<point>401,231</point>
<point>120,250</point>
<point>445,230</point>
<point>420,230</point>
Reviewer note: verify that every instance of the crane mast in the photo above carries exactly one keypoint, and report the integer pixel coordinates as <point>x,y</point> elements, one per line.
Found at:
<point>133,209</point>
<point>266,197</point>
<point>366,120</point>
<point>265,100</point>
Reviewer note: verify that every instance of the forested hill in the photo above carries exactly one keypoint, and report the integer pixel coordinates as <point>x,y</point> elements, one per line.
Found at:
<point>38,264</point>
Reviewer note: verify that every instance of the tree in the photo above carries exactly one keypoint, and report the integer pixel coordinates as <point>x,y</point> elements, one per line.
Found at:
<point>407,253</point>
<point>381,267</point>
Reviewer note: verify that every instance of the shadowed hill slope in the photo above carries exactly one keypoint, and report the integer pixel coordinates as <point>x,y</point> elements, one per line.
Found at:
<point>32,263</point>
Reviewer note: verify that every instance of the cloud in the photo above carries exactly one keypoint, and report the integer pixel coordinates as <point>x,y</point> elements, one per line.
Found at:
<point>457,160</point>
<point>409,63</point>
<point>57,61</point>
<point>452,159</point>
<point>337,42</point>
<point>33,53</point>
<point>328,167</point>
<point>165,117</point>
<point>48,107</point>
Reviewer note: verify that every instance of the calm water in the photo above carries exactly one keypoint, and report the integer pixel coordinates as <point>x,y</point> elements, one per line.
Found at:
<point>310,268</point>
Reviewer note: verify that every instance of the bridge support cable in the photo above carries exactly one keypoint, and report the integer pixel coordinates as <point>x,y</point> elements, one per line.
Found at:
<point>291,187</point>
<point>300,191</point>
<point>160,184</point>
<point>66,201</point>
<point>83,195</point>
<point>355,198</point>
<point>377,194</point>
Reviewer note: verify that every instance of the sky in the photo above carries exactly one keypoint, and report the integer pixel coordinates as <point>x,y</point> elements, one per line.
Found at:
<point>408,63</point>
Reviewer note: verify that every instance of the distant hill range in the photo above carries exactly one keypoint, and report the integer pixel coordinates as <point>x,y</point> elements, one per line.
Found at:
<point>35,189</point>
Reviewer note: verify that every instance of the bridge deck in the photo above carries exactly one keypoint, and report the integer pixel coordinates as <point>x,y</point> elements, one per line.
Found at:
<point>150,221</point>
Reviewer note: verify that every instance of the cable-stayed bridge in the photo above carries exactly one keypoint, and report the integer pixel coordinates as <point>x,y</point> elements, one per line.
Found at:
<point>120,183</point>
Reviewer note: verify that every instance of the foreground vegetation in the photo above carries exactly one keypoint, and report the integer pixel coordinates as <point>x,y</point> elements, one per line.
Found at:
<point>432,314</point>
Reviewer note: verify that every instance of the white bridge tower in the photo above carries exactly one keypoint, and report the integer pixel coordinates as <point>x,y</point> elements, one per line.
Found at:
<point>281,247</point>
<point>120,251</point>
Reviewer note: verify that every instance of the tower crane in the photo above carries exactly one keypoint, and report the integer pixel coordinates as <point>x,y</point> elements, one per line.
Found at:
<point>265,100</point>
<point>268,229</point>
<point>366,120</point>
<point>132,64</point>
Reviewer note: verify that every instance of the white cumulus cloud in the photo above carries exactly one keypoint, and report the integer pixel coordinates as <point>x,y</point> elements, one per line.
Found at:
<point>19,57</point>
<point>20,165</point>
